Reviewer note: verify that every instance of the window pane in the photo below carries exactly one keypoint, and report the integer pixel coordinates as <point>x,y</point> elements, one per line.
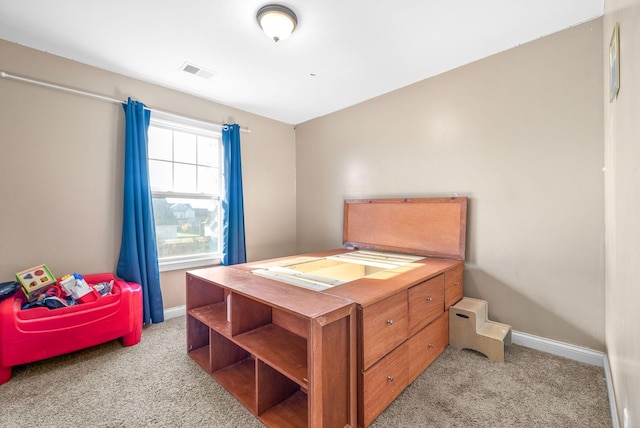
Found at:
<point>186,227</point>
<point>160,175</point>
<point>207,151</point>
<point>184,178</point>
<point>184,147</point>
<point>160,144</point>
<point>208,180</point>
<point>185,160</point>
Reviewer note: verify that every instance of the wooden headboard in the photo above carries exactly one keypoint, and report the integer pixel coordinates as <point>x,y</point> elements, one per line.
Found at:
<point>433,227</point>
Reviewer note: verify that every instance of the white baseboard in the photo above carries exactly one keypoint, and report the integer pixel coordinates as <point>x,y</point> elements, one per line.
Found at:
<point>562,349</point>
<point>175,312</point>
<point>615,422</point>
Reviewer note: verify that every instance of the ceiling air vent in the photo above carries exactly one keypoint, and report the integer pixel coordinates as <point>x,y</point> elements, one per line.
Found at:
<point>197,71</point>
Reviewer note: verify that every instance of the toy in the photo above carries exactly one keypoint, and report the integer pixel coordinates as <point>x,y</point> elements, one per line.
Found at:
<point>76,287</point>
<point>35,280</point>
<point>103,288</point>
<point>68,283</point>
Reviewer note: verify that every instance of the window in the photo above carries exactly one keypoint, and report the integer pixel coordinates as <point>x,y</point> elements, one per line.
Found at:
<point>185,176</point>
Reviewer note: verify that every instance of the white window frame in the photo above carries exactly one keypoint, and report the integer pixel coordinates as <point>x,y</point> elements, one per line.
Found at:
<point>178,123</point>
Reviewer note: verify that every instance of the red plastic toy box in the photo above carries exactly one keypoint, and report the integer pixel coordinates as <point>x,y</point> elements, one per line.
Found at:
<point>38,333</point>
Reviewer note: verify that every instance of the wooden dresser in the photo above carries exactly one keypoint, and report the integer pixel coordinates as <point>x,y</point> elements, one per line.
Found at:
<point>401,272</point>
<point>403,326</point>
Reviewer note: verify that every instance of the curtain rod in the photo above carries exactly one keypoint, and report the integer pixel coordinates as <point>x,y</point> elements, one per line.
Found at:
<point>102,97</point>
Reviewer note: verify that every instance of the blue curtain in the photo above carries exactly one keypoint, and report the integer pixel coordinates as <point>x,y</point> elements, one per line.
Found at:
<point>233,242</point>
<point>138,260</point>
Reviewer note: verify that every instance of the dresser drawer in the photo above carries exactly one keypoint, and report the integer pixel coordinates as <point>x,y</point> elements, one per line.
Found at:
<point>426,303</point>
<point>383,382</point>
<point>453,282</point>
<point>427,345</point>
<point>384,326</point>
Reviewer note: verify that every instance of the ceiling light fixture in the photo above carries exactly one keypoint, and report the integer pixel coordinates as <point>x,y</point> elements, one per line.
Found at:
<point>277,21</point>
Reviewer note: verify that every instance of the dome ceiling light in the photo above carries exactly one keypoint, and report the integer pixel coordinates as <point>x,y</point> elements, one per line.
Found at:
<point>277,21</point>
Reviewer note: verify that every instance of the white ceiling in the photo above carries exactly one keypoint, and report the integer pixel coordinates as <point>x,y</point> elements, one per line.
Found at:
<point>342,52</point>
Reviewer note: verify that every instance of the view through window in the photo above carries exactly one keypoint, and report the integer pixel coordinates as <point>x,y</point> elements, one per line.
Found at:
<point>185,177</point>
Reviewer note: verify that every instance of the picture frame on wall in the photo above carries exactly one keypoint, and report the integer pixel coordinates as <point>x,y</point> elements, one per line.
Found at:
<point>614,63</point>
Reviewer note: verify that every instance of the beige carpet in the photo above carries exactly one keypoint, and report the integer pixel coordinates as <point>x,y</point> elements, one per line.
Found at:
<point>155,384</point>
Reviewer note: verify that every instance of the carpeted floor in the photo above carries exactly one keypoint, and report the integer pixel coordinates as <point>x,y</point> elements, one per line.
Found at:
<point>155,384</point>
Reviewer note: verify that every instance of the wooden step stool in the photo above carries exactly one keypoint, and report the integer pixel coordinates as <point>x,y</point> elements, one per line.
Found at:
<point>469,327</point>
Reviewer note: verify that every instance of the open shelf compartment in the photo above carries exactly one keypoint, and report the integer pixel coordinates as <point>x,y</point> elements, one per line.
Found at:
<point>239,380</point>
<point>281,349</point>
<point>198,343</point>
<point>290,413</point>
<point>213,316</point>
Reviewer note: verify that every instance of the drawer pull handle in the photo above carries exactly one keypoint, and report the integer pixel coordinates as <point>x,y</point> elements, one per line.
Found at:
<point>431,345</point>
<point>457,283</point>
<point>390,322</point>
<point>429,299</point>
<point>390,378</point>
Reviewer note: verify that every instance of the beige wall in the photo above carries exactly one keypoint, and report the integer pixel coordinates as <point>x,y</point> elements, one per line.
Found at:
<point>520,134</point>
<point>622,205</point>
<point>61,168</point>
